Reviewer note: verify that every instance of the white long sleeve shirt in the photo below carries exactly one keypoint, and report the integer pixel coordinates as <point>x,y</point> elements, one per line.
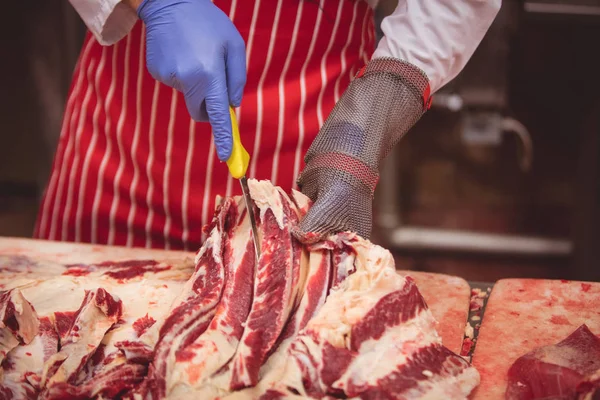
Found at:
<point>438,36</point>
<point>108,20</point>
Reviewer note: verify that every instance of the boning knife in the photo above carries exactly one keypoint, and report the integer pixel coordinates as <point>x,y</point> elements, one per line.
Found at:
<point>238,165</point>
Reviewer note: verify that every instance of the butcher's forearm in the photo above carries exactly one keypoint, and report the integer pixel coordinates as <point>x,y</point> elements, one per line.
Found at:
<point>108,20</point>
<point>437,36</point>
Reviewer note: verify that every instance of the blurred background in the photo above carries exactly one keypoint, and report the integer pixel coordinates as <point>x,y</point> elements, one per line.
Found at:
<point>501,178</point>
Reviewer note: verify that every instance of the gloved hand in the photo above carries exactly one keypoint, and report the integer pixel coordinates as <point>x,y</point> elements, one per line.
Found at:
<point>381,104</point>
<point>192,46</point>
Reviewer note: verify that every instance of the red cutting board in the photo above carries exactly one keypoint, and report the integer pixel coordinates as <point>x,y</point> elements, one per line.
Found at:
<point>448,298</point>
<point>524,314</point>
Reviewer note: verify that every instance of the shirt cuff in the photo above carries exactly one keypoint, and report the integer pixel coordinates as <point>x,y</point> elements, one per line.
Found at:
<point>108,20</point>
<point>437,36</point>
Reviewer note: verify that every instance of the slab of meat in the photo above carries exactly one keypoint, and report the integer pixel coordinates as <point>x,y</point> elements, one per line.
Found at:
<point>23,367</point>
<point>98,312</point>
<point>374,338</point>
<point>275,286</point>
<point>195,307</point>
<point>329,320</point>
<point>567,370</point>
<point>214,348</point>
<point>19,322</point>
<point>528,314</point>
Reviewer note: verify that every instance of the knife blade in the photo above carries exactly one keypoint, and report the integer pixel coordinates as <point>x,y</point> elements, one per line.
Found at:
<point>238,165</point>
<point>250,209</point>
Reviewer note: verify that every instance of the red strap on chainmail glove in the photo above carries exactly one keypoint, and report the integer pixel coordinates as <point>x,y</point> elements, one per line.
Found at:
<point>387,97</point>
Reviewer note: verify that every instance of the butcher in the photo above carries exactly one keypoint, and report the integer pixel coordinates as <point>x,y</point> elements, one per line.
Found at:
<point>146,129</point>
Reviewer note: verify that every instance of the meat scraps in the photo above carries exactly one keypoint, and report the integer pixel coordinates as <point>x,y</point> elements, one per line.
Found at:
<point>569,370</point>
<point>329,320</point>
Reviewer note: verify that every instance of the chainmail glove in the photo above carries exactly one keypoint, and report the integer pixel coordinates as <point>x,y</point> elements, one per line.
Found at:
<point>387,97</point>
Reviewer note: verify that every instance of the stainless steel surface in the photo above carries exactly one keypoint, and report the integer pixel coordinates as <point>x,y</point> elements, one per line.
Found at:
<point>250,209</point>
<point>488,128</point>
<point>447,101</point>
<point>416,238</point>
<point>511,125</point>
<point>562,9</point>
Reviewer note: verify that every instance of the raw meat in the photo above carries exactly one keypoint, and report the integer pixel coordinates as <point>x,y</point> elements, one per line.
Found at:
<point>213,349</point>
<point>19,322</point>
<point>98,312</point>
<point>330,320</point>
<point>24,365</point>
<point>373,338</point>
<point>275,286</point>
<point>526,314</point>
<point>117,363</point>
<point>195,308</point>
<point>567,370</point>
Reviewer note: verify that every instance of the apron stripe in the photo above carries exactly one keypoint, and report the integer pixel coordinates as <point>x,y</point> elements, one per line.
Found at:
<point>119,139</point>
<point>83,141</point>
<point>135,151</point>
<point>361,50</point>
<point>207,185</point>
<point>282,123</point>
<point>324,66</point>
<point>166,177</point>
<point>149,163</point>
<point>343,53</point>
<point>51,190</point>
<point>73,176</point>
<point>84,187</point>
<point>370,38</point>
<point>260,94</point>
<point>60,208</point>
<point>254,58</point>
<point>186,183</point>
<point>58,198</point>
<point>108,146</point>
<point>303,84</point>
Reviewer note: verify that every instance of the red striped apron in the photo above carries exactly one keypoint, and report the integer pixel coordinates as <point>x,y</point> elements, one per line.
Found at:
<point>133,169</point>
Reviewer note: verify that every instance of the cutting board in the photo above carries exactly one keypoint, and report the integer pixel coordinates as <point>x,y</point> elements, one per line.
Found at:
<point>524,314</point>
<point>447,296</point>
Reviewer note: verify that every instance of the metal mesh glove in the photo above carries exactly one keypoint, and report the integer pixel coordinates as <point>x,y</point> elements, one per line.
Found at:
<point>381,104</point>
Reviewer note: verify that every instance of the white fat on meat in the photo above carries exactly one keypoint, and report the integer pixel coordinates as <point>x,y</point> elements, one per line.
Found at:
<point>19,322</point>
<point>265,197</point>
<point>99,311</point>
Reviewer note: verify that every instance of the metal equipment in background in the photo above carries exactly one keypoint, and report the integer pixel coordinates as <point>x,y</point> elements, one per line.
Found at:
<point>481,100</point>
<point>580,9</point>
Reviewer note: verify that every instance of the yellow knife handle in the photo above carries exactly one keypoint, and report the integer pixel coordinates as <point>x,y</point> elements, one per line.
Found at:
<point>239,158</point>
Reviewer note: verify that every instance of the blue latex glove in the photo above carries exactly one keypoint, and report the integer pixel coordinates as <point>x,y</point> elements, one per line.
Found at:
<point>192,46</point>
